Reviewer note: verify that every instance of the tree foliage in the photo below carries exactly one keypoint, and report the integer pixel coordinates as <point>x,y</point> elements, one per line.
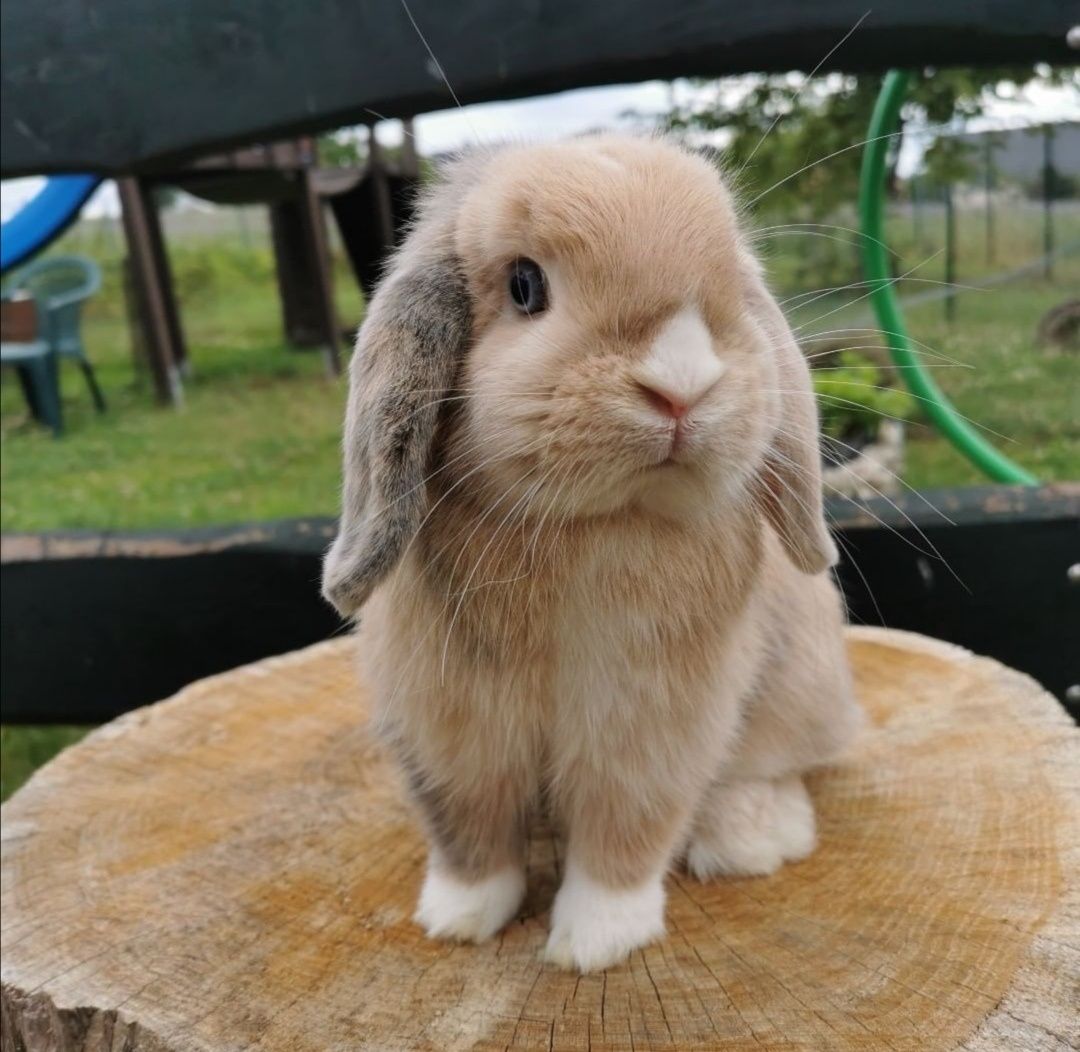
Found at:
<point>778,125</point>
<point>342,149</point>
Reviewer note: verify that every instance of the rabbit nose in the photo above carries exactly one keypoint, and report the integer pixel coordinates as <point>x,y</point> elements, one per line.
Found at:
<point>667,403</point>
<point>681,367</point>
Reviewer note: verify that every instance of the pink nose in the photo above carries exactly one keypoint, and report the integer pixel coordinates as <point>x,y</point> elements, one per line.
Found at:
<point>664,404</point>
<point>668,404</point>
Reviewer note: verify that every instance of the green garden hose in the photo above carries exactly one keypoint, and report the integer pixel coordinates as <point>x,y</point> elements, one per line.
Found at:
<point>887,306</point>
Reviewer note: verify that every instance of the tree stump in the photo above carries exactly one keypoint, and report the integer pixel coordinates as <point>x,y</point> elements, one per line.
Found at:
<point>236,868</point>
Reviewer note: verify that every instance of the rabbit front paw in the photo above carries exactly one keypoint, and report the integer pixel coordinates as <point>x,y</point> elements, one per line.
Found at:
<point>465,911</point>
<point>594,926</point>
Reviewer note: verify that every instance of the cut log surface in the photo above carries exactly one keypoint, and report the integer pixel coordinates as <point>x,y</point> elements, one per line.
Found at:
<point>236,868</point>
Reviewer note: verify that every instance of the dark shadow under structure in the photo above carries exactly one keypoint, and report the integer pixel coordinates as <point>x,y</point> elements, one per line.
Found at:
<point>1001,587</point>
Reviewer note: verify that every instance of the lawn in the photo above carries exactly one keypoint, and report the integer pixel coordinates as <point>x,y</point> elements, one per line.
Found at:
<point>1025,398</point>
<point>24,749</point>
<point>258,435</point>
<point>1028,394</point>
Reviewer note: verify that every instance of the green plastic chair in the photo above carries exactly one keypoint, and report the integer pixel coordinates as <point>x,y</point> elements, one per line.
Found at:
<point>35,361</point>
<point>60,285</point>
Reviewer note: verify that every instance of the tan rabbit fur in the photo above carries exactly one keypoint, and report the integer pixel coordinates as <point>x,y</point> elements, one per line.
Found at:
<point>593,541</point>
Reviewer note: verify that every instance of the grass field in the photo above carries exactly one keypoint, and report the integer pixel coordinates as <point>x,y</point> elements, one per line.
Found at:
<point>24,749</point>
<point>258,436</point>
<point>1025,398</point>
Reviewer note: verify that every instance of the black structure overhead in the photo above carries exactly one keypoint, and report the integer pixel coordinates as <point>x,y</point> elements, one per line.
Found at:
<point>123,86</point>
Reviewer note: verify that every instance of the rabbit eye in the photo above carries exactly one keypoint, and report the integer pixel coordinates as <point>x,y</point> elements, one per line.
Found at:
<point>528,288</point>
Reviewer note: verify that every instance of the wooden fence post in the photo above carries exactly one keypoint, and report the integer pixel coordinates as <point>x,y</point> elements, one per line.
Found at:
<point>162,337</point>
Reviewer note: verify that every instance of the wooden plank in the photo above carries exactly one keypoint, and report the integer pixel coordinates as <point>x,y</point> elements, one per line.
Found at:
<point>377,173</point>
<point>151,279</point>
<point>168,286</point>
<point>239,593</point>
<point>318,259</point>
<point>300,296</point>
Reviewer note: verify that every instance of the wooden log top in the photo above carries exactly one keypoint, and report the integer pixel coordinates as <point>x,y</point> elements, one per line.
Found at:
<point>235,868</point>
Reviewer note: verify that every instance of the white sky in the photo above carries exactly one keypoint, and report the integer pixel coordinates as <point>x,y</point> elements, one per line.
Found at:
<point>570,112</point>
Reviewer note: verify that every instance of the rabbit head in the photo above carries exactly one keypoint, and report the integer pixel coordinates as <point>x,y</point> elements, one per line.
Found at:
<point>580,327</point>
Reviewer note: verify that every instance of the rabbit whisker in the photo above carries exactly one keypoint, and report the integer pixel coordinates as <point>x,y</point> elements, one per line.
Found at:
<point>918,398</point>
<point>506,455</point>
<point>795,97</point>
<point>811,295</point>
<point>867,295</point>
<point>860,236</point>
<point>920,347</point>
<point>933,553</point>
<point>929,129</point>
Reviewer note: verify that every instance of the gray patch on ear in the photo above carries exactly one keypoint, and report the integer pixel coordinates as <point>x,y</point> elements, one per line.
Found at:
<point>408,355</point>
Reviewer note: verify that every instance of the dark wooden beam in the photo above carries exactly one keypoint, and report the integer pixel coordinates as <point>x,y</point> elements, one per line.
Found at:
<point>301,298</point>
<point>318,258</point>
<point>161,336</point>
<point>410,157</point>
<point>378,174</point>
<point>235,594</point>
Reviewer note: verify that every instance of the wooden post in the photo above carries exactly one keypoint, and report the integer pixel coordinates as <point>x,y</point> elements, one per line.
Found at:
<point>384,210</point>
<point>950,255</point>
<point>161,336</point>
<point>1048,175</point>
<point>318,255</point>
<point>161,254</point>
<point>237,868</point>
<point>410,156</point>
<point>988,188</point>
<point>298,288</point>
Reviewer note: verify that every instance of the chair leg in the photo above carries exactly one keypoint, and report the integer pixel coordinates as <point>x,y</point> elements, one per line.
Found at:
<point>91,382</point>
<point>49,395</point>
<point>28,381</point>
<point>41,386</point>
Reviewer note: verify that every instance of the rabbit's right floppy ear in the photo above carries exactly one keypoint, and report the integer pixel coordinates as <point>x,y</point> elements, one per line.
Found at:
<point>407,356</point>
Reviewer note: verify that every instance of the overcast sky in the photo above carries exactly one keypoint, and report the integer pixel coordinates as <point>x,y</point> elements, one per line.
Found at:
<point>569,112</point>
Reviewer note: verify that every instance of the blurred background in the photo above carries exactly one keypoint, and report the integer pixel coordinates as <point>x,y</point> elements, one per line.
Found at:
<point>983,223</point>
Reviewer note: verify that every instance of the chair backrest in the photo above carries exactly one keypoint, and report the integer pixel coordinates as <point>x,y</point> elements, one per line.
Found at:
<point>66,278</point>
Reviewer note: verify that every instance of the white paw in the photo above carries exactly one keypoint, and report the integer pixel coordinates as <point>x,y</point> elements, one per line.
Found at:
<point>796,826</point>
<point>752,829</point>
<point>594,927</point>
<point>468,912</point>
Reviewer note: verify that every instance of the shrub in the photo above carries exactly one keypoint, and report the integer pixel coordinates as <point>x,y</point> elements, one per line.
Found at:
<point>854,396</point>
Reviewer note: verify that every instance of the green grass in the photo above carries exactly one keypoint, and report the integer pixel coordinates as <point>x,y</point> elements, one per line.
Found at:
<point>24,749</point>
<point>1029,395</point>
<point>257,438</point>
<point>1026,399</point>
<point>258,435</point>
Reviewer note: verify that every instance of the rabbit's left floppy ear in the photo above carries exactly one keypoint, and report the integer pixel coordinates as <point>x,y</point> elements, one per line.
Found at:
<point>406,359</point>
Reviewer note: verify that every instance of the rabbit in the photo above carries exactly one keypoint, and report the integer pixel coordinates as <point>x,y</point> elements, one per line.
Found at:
<point>582,513</point>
